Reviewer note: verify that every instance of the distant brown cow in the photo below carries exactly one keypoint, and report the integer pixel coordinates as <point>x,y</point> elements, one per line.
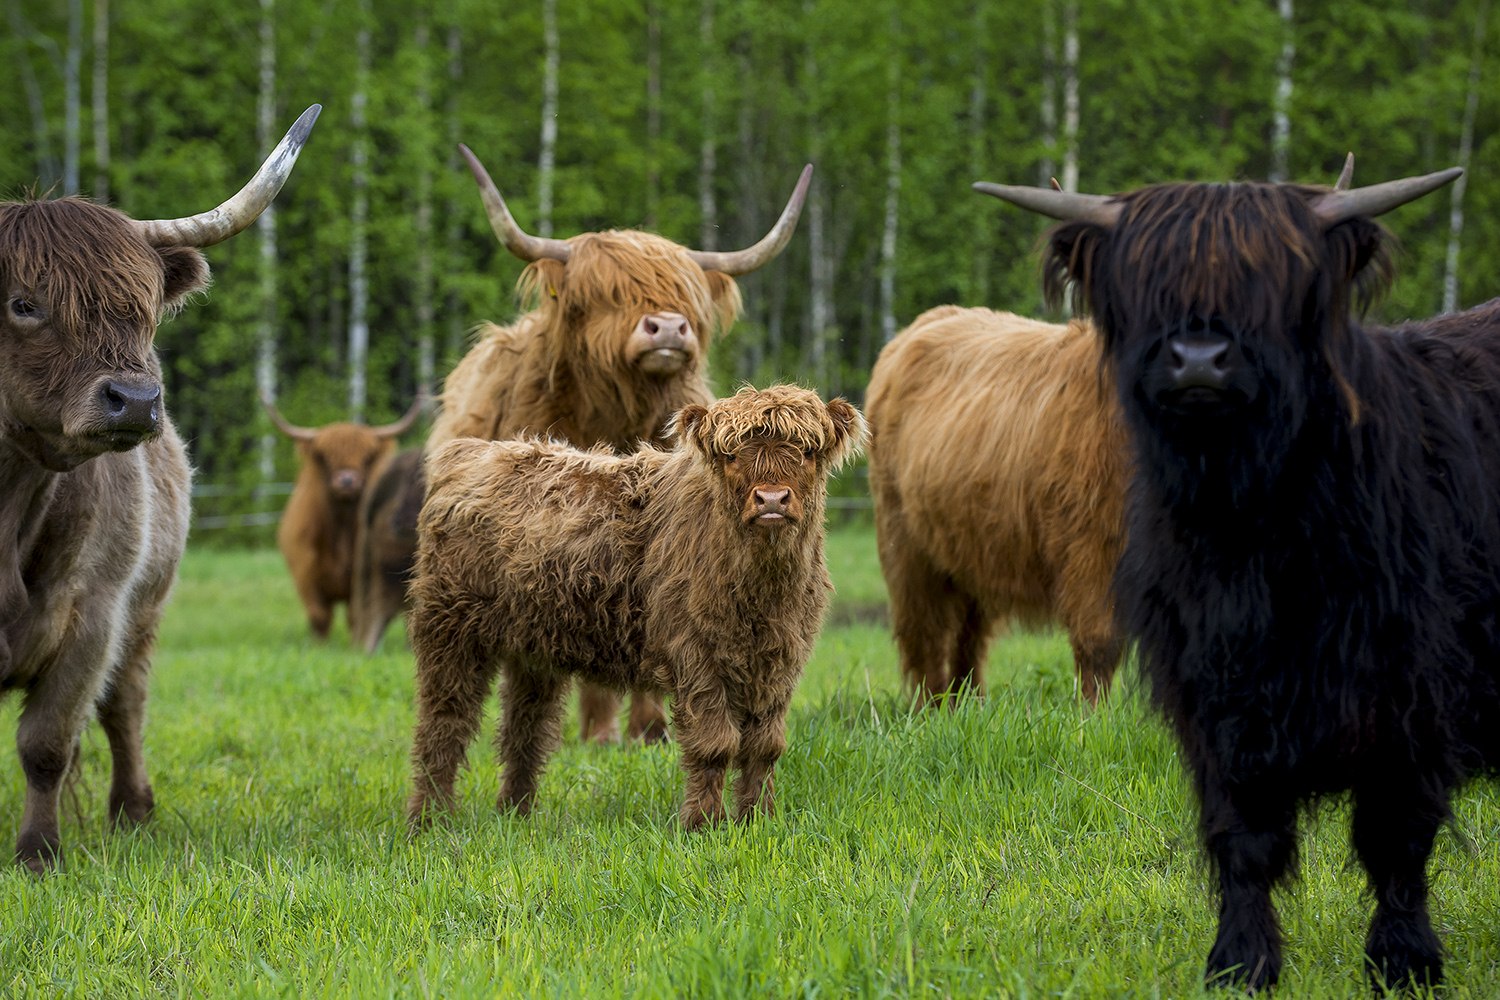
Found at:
<point>697,571</point>
<point>615,341</point>
<point>319,524</point>
<point>998,464</point>
<point>94,507</point>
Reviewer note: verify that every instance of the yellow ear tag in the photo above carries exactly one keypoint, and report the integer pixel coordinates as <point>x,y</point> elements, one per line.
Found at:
<point>552,291</point>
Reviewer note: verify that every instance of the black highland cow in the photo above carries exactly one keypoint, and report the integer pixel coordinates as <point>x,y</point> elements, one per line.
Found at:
<point>1312,571</point>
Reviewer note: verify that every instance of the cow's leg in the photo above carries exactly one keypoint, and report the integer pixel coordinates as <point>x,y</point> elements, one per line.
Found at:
<point>710,740</point>
<point>1252,840</point>
<point>52,720</point>
<point>648,717</point>
<point>1095,658</point>
<point>122,713</point>
<point>530,730</point>
<point>598,714</point>
<point>970,644</point>
<point>1395,824</point>
<point>455,672</point>
<point>926,610</point>
<point>762,742</point>
<point>319,608</point>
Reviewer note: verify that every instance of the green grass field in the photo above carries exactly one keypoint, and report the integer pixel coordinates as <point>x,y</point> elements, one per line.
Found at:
<point>1019,846</point>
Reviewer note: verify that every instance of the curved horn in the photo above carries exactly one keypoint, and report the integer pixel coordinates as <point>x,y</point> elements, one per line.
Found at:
<point>404,424</point>
<point>1099,209</point>
<point>737,262</point>
<point>1339,205</point>
<point>236,214</point>
<point>519,242</point>
<point>1346,176</point>
<point>291,430</point>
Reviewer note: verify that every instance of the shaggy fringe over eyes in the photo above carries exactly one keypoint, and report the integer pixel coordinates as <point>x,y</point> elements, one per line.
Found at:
<point>784,412</point>
<point>626,273</point>
<point>1218,249</point>
<point>89,267</point>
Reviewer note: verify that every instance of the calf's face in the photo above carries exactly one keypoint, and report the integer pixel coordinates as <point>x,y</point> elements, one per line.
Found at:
<point>770,452</point>
<point>343,456</point>
<point>83,293</point>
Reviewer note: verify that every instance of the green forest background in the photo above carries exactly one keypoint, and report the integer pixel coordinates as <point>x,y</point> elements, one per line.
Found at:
<point>693,119</point>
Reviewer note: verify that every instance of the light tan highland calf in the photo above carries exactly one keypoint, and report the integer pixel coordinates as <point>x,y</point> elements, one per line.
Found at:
<point>697,572</point>
<point>94,482</point>
<point>998,464</point>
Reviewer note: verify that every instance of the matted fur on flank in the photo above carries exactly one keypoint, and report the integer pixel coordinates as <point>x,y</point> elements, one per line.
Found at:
<point>697,571</point>
<point>998,463</point>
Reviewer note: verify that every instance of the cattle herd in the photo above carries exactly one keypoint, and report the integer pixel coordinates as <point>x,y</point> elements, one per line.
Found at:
<point>1292,517</point>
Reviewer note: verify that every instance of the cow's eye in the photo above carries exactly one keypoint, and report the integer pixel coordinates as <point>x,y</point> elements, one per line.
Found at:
<point>23,307</point>
<point>730,458</point>
<point>809,453</point>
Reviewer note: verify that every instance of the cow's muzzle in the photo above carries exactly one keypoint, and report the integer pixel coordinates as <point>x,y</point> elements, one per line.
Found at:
<point>130,409</point>
<point>771,506</point>
<point>1203,370</point>
<point>667,343</point>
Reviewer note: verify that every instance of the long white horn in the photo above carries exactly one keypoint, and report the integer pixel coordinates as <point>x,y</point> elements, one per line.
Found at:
<point>737,262</point>
<point>236,214</point>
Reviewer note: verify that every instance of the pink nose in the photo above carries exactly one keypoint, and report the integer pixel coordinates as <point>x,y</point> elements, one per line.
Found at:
<point>667,326</point>
<point>774,499</point>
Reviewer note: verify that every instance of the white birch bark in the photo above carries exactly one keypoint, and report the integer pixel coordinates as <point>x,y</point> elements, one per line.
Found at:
<point>1465,154</point>
<point>100,97</point>
<point>888,233</point>
<point>708,166</point>
<point>1281,116</point>
<point>359,213</point>
<point>1070,95</point>
<point>425,309</point>
<point>547,161</point>
<point>978,167</point>
<point>653,115</point>
<point>47,165</point>
<point>820,311</point>
<point>453,237</point>
<point>266,139</point>
<point>1049,91</point>
<point>73,97</point>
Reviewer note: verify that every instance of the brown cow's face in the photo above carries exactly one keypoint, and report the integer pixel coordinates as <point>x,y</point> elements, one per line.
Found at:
<point>771,451</point>
<point>83,294</point>
<point>632,305</point>
<point>343,456</point>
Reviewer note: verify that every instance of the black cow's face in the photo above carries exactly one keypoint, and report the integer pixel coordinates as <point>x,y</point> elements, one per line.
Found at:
<point>83,294</point>
<point>1220,304</point>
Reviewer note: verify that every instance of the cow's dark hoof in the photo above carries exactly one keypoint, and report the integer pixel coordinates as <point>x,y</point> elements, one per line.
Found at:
<point>40,854</point>
<point>131,809</point>
<point>1403,953</point>
<point>1241,969</point>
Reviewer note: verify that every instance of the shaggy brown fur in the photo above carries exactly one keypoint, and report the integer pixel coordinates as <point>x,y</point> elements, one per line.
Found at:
<point>580,367</point>
<point>697,571</point>
<point>385,546</point>
<point>998,464</point>
<point>94,509</point>
<point>320,523</point>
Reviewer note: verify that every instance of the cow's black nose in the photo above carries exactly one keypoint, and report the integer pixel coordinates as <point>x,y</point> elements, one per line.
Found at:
<point>1200,364</point>
<point>132,407</point>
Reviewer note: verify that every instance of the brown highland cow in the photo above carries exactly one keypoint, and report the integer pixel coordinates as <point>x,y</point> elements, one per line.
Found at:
<point>697,571</point>
<point>615,341</point>
<point>998,463</point>
<point>319,525</point>
<point>94,503</point>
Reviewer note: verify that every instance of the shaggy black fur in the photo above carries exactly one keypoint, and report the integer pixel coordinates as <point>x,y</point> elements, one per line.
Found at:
<point>1312,569</point>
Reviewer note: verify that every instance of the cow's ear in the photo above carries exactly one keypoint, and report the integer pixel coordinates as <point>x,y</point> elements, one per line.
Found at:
<point>1068,263</point>
<point>691,425</point>
<point>726,295</point>
<point>539,285</point>
<point>184,271</point>
<point>848,432</point>
<point>1360,246</point>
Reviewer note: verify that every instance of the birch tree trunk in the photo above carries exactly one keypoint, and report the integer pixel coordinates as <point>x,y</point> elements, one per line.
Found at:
<point>73,97</point>
<point>100,95</point>
<point>359,213</point>
<point>820,310</point>
<point>453,236</point>
<point>653,114</point>
<point>708,166</point>
<point>548,159</point>
<point>1070,95</point>
<point>266,138</point>
<point>1281,117</point>
<point>47,165</point>
<point>425,311</point>
<point>1048,167</point>
<point>888,233</point>
<point>979,284</point>
<point>1465,154</point>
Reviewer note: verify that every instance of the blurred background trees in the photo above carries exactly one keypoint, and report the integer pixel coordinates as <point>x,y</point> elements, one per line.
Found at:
<point>693,119</point>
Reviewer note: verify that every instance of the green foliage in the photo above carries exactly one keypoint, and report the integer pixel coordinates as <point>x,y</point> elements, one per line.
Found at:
<point>1180,89</point>
<point>1020,847</point>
